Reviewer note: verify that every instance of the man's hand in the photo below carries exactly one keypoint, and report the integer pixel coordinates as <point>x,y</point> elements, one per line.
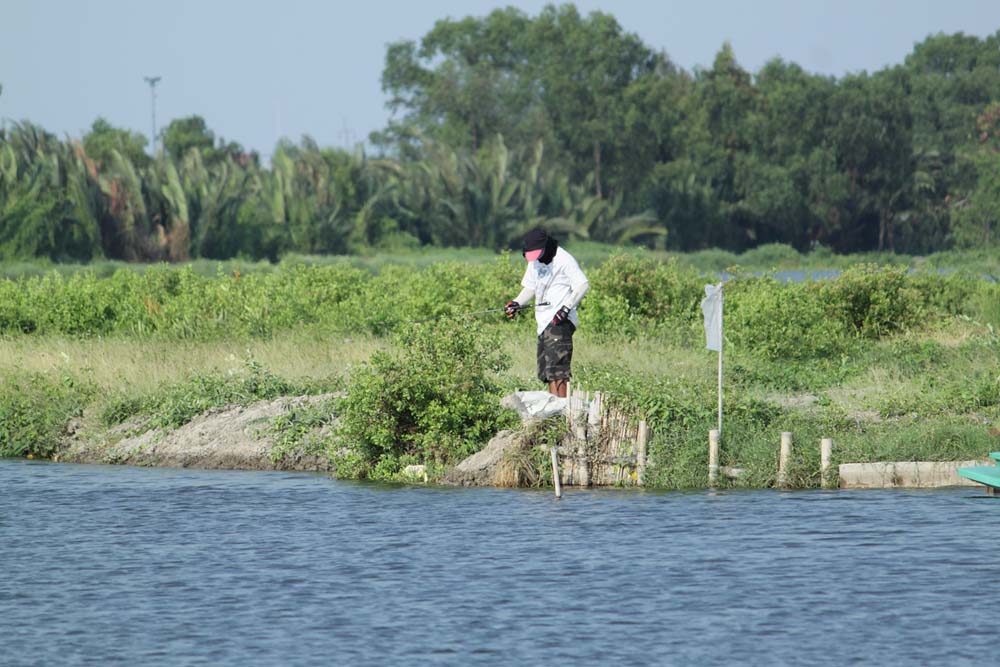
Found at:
<point>511,309</point>
<point>561,315</point>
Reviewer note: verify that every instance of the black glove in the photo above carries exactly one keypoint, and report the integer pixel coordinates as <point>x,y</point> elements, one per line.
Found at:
<point>561,315</point>
<point>511,309</point>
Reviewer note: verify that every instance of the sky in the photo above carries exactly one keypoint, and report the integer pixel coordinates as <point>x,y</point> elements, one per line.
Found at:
<point>260,70</point>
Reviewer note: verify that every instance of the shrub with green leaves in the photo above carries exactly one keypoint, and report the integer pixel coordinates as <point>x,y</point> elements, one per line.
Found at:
<point>771,320</point>
<point>772,255</point>
<point>984,306</point>
<point>34,411</point>
<point>296,430</point>
<point>872,301</point>
<point>433,398</point>
<point>653,290</point>
<point>949,294</point>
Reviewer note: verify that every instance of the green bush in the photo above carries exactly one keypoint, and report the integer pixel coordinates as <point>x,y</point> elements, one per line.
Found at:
<point>772,255</point>
<point>649,290</point>
<point>399,295</point>
<point>433,399</point>
<point>767,319</point>
<point>292,431</point>
<point>984,306</point>
<point>872,301</point>
<point>34,411</point>
<point>949,294</point>
<point>813,320</point>
<point>610,315</point>
<point>14,317</point>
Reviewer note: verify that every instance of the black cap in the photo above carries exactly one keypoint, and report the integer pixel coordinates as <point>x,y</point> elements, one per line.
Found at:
<point>536,239</point>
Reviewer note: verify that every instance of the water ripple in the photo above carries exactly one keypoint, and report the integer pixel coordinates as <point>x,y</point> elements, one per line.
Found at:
<point>124,566</point>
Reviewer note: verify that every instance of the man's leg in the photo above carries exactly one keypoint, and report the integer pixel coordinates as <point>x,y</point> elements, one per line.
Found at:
<point>555,357</point>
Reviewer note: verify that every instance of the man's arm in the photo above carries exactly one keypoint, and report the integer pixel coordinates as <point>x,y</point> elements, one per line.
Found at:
<point>578,286</point>
<point>527,287</point>
<point>576,296</point>
<point>578,283</point>
<point>525,297</point>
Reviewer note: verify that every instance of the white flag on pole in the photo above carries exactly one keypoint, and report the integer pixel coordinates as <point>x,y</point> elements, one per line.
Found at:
<point>711,308</point>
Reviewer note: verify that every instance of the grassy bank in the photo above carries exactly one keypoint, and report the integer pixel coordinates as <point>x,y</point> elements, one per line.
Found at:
<point>893,366</point>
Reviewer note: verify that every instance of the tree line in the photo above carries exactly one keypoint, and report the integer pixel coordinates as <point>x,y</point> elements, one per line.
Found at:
<point>510,120</point>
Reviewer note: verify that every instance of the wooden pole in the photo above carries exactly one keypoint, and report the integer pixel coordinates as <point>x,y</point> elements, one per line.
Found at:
<point>783,457</point>
<point>722,302</point>
<point>640,453</point>
<point>713,457</point>
<point>555,472</point>
<point>623,439</point>
<point>825,454</point>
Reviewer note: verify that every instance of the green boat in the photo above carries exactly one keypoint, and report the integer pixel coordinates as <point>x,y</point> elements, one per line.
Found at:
<point>988,475</point>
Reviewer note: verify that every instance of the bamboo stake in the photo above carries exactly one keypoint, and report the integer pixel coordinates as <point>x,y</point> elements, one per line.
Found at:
<point>622,452</point>
<point>783,457</point>
<point>713,457</point>
<point>555,472</point>
<point>825,454</point>
<point>640,455</point>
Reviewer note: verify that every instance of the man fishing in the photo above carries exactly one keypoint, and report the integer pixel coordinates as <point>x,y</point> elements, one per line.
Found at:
<point>556,283</point>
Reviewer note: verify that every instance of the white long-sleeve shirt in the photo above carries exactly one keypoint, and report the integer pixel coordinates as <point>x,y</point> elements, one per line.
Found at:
<point>559,283</point>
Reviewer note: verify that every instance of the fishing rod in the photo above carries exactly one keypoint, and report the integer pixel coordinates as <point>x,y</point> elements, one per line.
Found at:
<point>388,324</point>
<point>477,312</point>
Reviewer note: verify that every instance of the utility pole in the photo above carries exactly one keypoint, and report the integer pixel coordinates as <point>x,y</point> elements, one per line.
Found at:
<point>152,81</point>
<point>346,134</point>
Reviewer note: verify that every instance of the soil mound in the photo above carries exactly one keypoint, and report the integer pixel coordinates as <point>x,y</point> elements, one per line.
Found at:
<point>230,438</point>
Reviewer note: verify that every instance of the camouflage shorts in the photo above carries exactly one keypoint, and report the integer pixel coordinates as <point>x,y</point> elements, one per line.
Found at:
<point>555,351</point>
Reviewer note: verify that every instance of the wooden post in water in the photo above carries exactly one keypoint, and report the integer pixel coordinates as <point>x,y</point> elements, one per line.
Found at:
<point>713,457</point>
<point>640,452</point>
<point>825,454</point>
<point>555,472</point>
<point>783,457</point>
<point>578,424</point>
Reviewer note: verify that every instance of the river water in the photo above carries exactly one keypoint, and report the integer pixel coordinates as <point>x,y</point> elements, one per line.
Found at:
<point>130,566</point>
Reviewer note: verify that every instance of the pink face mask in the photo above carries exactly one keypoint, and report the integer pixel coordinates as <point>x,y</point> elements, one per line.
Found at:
<point>533,255</point>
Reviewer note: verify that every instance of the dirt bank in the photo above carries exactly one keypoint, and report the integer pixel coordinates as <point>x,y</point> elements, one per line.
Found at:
<point>230,438</point>
<point>241,438</point>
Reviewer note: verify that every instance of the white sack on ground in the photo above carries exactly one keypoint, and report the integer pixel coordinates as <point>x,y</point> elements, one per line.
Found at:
<point>534,404</point>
